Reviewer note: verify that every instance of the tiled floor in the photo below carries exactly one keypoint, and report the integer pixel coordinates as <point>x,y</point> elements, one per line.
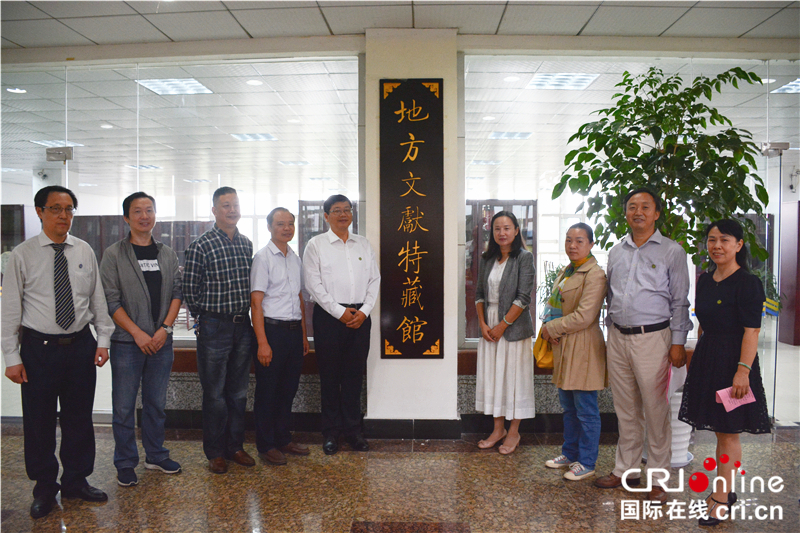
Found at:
<point>399,486</point>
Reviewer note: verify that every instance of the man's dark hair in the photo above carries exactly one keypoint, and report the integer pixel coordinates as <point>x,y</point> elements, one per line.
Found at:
<point>335,199</point>
<point>40,200</point>
<point>647,190</point>
<point>222,191</point>
<point>271,215</point>
<point>126,203</point>
<point>585,227</point>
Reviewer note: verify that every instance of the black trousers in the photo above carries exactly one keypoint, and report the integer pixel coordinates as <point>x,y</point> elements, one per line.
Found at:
<point>341,357</point>
<point>64,374</point>
<point>276,386</point>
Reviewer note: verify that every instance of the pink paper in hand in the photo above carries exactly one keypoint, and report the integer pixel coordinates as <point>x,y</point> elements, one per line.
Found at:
<point>730,403</point>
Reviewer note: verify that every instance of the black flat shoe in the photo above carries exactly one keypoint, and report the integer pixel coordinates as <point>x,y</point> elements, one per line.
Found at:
<point>358,443</point>
<point>41,507</point>
<point>330,446</point>
<point>86,493</point>
<point>712,520</point>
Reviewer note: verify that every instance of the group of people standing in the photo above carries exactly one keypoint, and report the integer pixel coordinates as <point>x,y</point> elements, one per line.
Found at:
<point>646,292</point>
<point>54,289</point>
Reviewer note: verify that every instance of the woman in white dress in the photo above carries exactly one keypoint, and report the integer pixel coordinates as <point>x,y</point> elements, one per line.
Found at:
<point>504,387</point>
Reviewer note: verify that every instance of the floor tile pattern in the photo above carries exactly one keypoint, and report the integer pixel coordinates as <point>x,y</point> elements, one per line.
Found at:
<point>399,486</point>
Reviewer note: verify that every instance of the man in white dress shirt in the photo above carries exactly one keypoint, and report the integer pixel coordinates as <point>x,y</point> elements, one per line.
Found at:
<point>342,276</point>
<point>276,301</point>
<point>51,293</point>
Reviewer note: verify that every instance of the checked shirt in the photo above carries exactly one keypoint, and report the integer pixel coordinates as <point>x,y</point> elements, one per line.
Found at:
<point>216,277</point>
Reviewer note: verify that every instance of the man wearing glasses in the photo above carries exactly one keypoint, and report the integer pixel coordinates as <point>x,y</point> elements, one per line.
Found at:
<point>342,276</point>
<point>52,292</point>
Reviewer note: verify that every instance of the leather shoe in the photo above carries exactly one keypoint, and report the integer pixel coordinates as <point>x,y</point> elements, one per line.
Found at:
<point>41,507</point>
<point>611,482</point>
<point>295,449</point>
<point>218,465</point>
<point>657,496</point>
<point>274,456</point>
<point>242,458</point>
<point>86,493</point>
<point>358,443</point>
<point>331,445</point>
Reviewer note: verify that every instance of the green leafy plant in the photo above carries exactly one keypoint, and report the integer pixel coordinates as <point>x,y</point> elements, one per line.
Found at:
<point>657,135</point>
<point>545,288</point>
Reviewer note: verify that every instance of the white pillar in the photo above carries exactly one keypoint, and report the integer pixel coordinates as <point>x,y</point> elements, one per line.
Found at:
<point>414,388</point>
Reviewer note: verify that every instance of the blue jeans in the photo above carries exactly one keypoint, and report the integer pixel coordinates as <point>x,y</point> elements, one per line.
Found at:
<point>129,367</point>
<point>581,426</point>
<point>224,355</point>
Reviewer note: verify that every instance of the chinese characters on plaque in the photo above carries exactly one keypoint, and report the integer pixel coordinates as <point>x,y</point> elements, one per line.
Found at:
<point>412,218</point>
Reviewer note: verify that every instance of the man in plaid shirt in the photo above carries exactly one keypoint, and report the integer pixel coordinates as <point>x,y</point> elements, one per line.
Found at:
<point>216,288</point>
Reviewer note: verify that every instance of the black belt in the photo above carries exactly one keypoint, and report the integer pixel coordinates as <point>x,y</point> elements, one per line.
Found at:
<point>288,324</point>
<point>636,330</point>
<point>356,306</point>
<point>236,319</point>
<point>63,340</point>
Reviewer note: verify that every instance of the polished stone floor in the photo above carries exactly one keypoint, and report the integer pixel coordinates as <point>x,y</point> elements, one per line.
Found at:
<point>398,486</point>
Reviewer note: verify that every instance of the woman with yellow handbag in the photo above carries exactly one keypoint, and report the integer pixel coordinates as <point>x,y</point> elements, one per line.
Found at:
<point>572,327</point>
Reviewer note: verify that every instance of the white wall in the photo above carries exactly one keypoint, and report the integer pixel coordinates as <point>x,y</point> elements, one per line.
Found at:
<point>412,388</point>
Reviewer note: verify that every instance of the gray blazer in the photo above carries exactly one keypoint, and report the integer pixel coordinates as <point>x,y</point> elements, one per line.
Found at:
<point>125,287</point>
<point>515,288</point>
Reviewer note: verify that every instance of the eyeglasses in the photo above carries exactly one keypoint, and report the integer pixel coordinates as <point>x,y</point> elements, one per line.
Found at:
<point>57,209</point>
<point>336,212</point>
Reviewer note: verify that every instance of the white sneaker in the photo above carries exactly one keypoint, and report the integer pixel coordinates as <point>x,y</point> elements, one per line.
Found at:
<point>577,472</point>
<point>559,462</point>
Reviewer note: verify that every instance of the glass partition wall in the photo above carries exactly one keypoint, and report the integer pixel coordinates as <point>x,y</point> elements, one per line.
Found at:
<point>520,112</point>
<point>278,131</point>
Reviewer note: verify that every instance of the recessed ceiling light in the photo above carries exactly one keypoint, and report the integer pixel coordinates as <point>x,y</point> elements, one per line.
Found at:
<point>487,118</point>
<point>768,80</point>
<point>474,177</point>
<point>87,185</point>
<point>516,135</point>
<point>565,81</point>
<point>175,86</point>
<point>485,162</point>
<point>320,179</point>
<point>16,90</point>
<point>255,82</point>
<point>511,78</point>
<point>56,144</point>
<point>12,170</point>
<point>254,137</point>
<point>196,181</point>
<point>106,126</point>
<point>294,120</point>
<point>294,163</point>
<point>144,167</point>
<point>789,88</point>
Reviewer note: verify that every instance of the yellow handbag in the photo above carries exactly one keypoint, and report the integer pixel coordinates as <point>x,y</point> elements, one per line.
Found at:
<point>543,352</point>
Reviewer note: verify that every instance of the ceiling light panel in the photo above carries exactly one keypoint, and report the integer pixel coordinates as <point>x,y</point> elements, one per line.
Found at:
<point>253,137</point>
<point>56,144</point>
<point>511,135</point>
<point>175,86</point>
<point>789,88</point>
<point>562,81</point>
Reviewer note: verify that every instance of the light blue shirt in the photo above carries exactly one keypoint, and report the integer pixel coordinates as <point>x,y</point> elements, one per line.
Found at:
<point>279,277</point>
<point>649,284</point>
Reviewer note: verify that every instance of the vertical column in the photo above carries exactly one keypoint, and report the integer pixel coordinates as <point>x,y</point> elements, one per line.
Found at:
<point>409,388</point>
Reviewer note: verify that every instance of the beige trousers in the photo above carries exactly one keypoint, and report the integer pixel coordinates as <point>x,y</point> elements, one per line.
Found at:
<point>638,370</point>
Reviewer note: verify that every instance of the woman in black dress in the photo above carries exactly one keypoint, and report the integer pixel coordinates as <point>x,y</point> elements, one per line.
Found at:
<point>728,304</point>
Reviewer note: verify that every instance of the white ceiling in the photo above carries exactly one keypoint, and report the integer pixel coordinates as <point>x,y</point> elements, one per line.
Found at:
<point>190,136</point>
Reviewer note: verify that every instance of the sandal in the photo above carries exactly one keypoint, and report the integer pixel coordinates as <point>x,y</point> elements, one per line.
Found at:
<point>486,444</point>
<point>712,520</point>
<point>508,450</point>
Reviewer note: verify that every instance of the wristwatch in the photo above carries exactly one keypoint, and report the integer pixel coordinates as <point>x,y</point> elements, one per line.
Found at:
<point>167,328</point>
